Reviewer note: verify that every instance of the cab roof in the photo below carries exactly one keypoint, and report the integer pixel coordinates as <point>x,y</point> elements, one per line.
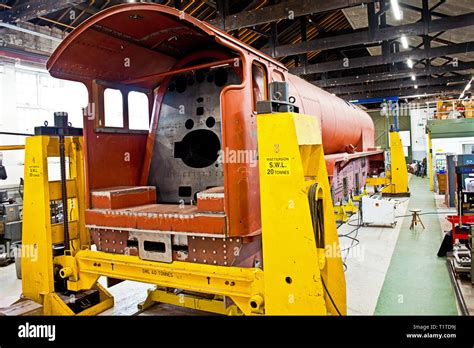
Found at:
<point>130,41</point>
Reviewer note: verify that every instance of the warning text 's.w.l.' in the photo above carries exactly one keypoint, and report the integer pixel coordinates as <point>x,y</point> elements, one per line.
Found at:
<point>277,166</point>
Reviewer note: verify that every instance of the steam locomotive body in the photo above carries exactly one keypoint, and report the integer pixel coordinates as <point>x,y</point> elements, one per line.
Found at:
<point>187,186</point>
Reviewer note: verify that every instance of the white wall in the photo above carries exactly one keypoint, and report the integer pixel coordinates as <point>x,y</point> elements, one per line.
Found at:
<point>419,145</point>
<point>28,97</point>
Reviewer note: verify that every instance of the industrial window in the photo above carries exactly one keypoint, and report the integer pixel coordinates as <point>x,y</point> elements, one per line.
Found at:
<point>259,83</point>
<point>113,108</point>
<point>138,111</point>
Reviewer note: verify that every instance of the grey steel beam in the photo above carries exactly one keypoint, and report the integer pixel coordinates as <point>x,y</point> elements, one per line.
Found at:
<point>28,10</point>
<point>374,36</point>
<point>286,9</point>
<point>362,62</point>
<point>407,93</point>
<point>356,79</point>
<point>371,87</point>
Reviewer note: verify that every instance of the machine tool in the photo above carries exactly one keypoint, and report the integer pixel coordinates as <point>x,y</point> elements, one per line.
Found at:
<point>10,222</point>
<point>10,227</point>
<point>463,222</point>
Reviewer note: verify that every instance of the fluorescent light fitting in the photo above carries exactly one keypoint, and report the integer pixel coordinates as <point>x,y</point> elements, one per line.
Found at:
<point>397,12</point>
<point>404,41</point>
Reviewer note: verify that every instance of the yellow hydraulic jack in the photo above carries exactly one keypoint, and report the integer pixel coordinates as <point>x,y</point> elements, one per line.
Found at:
<point>396,181</point>
<point>343,211</point>
<point>302,268</point>
<point>43,237</point>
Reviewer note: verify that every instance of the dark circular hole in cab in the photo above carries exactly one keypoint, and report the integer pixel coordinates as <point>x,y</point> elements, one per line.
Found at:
<point>189,124</point>
<point>210,122</point>
<point>198,149</point>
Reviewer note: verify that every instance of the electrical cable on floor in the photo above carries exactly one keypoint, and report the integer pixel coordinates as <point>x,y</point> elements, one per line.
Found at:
<point>354,241</point>
<point>349,224</point>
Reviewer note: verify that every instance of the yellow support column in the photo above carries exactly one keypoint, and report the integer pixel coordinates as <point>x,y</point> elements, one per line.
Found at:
<point>37,251</point>
<point>430,161</point>
<point>398,168</point>
<point>299,278</point>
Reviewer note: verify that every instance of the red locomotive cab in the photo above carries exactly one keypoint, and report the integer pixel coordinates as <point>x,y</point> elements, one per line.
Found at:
<point>191,180</point>
<point>187,186</point>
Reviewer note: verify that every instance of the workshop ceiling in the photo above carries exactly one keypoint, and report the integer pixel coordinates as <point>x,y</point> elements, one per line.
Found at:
<point>351,48</point>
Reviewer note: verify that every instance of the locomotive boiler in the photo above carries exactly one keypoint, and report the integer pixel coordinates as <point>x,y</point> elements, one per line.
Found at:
<point>187,187</point>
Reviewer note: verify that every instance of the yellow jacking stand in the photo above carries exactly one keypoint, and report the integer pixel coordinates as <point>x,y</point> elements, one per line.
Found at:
<point>396,181</point>
<point>40,234</point>
<point>343,211</point>
<point>301,278</point>
<point>298,278</point>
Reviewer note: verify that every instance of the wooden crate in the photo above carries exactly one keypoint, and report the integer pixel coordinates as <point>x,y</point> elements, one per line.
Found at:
<point>442,182</point>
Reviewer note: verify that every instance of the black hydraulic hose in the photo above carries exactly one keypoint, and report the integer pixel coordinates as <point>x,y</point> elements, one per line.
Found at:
<point>62,160</point>
<point>317,216</point>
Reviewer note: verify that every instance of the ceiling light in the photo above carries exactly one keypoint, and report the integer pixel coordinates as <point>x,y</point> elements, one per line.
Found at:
<point>410,63</point>
<point>416,86</point>
<point>404,41</point>
<point>397,13</point>
<point>413,77</point>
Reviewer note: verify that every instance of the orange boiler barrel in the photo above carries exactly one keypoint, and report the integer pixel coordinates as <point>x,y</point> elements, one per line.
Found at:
<point>343,124</point>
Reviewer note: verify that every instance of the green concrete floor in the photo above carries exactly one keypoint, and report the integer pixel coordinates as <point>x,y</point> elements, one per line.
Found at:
<point>417,281</point>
